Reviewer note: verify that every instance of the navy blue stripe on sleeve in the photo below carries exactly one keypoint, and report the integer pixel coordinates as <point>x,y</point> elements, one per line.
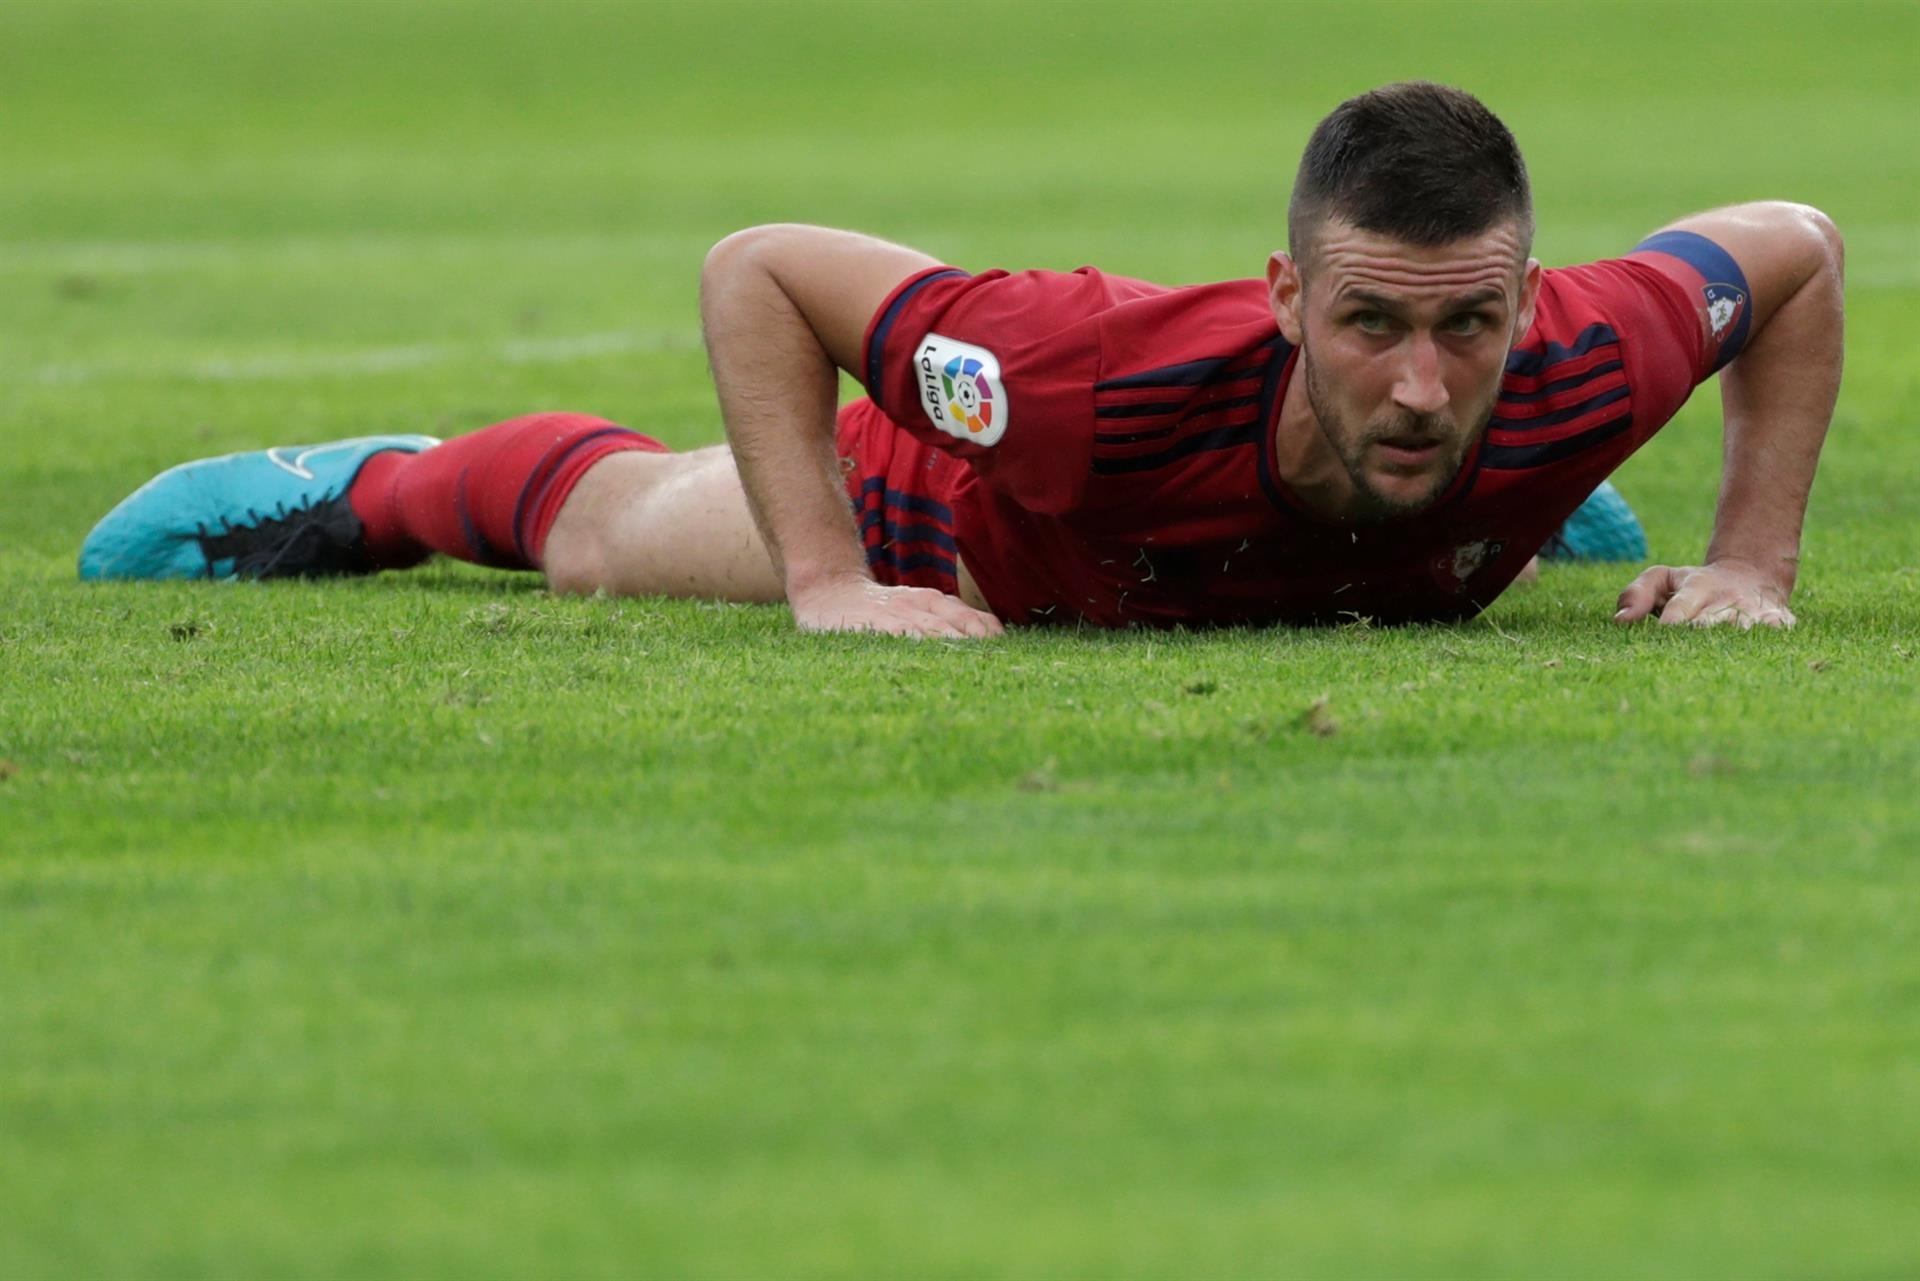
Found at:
<point>877,349</point>
<point>1726,284</point>
<point>1699,253</point>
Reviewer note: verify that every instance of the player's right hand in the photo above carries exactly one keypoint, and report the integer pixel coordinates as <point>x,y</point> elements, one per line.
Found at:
<point>858,604</point>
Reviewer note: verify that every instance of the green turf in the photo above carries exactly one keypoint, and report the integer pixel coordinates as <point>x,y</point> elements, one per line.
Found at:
<point>432,926</point>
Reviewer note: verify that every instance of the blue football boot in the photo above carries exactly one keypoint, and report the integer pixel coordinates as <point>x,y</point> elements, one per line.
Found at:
<point>1603,528</point>
<point>271,513</point>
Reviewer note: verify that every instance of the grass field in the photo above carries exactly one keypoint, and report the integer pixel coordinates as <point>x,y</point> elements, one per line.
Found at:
<point>433,926</point>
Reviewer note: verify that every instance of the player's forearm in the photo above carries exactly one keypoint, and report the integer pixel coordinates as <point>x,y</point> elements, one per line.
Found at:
<point>1778,399</point>
<point>778,390</point>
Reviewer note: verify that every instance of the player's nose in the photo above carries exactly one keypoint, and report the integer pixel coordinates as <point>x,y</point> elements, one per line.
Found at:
<point>1419,388</point>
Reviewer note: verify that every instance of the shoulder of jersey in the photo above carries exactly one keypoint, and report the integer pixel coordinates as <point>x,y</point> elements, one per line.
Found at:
<point>1565,389</point>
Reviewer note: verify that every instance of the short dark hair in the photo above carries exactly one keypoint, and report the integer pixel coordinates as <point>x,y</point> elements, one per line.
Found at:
<point>1420,162</point>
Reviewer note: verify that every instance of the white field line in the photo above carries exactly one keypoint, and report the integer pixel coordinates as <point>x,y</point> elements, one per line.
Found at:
<point>1883,253</point>
<point>374,360</point>
<point>133,257</point>
<point>1881,256</point>
<point>1902,276</point>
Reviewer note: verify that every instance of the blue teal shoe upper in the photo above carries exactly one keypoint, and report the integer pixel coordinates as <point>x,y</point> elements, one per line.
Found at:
<point>190,521</point>
<point>1603,528</point>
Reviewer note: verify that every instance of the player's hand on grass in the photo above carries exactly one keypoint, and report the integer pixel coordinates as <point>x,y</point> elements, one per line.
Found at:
<point>858,604</point>
<point>1706,596</point>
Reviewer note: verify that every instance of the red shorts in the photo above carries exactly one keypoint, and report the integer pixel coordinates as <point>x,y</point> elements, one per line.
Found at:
<point>902,494</point>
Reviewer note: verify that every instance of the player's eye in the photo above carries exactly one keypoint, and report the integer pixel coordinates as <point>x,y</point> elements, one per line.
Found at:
<point>1369,322</point>
<point>1465,324</point>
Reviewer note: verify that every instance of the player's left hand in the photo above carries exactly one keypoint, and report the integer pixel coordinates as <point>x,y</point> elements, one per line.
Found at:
<point>1706,596</point>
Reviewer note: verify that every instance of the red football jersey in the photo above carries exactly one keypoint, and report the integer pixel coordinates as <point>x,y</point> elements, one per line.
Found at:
<point>1119,438</point>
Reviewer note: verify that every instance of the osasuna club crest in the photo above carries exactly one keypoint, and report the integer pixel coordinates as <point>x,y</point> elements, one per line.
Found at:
<point>961,389</point>
<point>1454,568</point>
<point>1725,304</point>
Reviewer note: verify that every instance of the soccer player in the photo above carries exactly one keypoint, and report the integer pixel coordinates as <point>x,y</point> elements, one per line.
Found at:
<point>1389,425</point>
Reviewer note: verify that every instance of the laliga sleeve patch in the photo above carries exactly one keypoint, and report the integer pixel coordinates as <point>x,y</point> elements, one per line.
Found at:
<point>961,389</point>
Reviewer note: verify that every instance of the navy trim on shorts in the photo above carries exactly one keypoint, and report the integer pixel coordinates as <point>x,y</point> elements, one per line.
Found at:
<point>542,480</point>
<point>907,502</point>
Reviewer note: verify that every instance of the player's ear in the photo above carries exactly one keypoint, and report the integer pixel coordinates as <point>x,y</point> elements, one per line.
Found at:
<point>1287,292</point>
<point>1529,295</point>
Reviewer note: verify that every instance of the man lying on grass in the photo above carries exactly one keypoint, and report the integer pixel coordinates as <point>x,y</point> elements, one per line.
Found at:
<point>1388,426</point>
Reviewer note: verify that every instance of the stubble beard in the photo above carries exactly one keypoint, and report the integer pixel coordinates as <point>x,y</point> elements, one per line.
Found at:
<point>1351,449</point>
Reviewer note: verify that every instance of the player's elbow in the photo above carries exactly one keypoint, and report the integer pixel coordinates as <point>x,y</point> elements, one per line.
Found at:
<point>1821,247</point>
<point>751,251</point>
<point>1834,245</point>
<point>731,258</point>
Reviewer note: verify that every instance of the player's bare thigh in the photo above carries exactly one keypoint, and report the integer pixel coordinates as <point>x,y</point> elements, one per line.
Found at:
<point>642,524</point>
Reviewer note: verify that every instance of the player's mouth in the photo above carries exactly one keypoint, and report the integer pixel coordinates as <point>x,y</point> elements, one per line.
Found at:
<point>1409,452</point>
